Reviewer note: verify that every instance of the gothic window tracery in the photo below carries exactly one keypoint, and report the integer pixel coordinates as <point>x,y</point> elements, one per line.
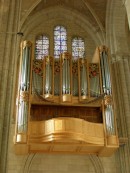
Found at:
<point>41,46</point>
<point>78,47</point>
<point>60,40</point>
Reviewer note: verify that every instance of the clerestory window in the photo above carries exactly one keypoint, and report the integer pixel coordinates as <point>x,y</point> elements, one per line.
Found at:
<point>41,46</point>
<point>60,40</point>
<point>78,48</point>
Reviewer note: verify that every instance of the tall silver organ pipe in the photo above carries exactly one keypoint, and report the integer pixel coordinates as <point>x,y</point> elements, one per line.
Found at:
<point>109,120</point>
<point>109,115</point>
<point>106,86</point>
<point>105,72</point>
<point>48,82</point>
<point>24,87</point>
<point>25,69</point>
<point>83,78</point>
<point>66,77</point>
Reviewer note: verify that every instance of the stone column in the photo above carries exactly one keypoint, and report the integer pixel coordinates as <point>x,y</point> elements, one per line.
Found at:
<point>121,92</point>
<point>124,71</point>
<point>8,37</point>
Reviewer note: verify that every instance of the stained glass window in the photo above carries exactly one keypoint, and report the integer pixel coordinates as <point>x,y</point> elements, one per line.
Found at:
<point>78,48</point>
<point>41,47</point>
<point>60,40</point>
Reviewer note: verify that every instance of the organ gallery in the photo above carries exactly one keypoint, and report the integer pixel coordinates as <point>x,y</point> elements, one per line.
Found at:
<point>65,104</point>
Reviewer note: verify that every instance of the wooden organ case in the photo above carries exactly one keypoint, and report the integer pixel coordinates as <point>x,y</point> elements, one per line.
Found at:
<point>65,105</point>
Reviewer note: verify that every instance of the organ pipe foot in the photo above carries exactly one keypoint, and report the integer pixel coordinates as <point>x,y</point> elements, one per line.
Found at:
<point>66,98</point>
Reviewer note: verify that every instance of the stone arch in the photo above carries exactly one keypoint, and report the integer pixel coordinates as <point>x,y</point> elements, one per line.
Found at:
<point>62,12</point>
<point>97,164</point>
<point>88,163</point>
<point>115,30</point>
<point>84,2</point>
<point>28,12</point>
<point>28,162</point>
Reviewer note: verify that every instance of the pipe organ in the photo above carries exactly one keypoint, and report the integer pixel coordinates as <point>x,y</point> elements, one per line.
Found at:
<point>65,105</point>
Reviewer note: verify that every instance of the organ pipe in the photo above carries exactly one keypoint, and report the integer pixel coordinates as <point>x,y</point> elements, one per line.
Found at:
<point>48,79</point>
<point>106,85</point>
<point>109,115</point>
<point>66,76</point>
<point>24,87</point>
<point>83,79</point>
<point>105,72</point>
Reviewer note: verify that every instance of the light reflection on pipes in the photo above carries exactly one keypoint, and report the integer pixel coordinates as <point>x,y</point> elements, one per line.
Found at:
<point>48,80</point>
<point>24,87</point>
<point>83,78</point>
<point>109,120</point>
<point>106,85</point>
<point>66,77</point>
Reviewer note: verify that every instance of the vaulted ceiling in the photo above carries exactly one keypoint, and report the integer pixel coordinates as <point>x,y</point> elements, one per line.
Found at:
<point>93,10</point>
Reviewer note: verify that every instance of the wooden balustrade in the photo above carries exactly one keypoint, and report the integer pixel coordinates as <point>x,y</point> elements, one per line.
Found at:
<point>66,130</point>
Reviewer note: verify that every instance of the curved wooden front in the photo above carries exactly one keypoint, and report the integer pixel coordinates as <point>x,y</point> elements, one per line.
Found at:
<point>66,130</point>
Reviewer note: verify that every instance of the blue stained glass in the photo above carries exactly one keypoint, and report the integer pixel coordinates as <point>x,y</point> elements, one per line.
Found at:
<point>60,40</point>
<point>41,46</point>
<point>78,48</point>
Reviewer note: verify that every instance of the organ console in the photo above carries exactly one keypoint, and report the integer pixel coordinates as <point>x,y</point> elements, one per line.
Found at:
<point>65,105</point>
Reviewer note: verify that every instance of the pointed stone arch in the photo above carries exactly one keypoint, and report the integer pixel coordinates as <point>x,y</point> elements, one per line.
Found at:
<point>115,27</point>
<point>62,12</point>
<point>92,161</point>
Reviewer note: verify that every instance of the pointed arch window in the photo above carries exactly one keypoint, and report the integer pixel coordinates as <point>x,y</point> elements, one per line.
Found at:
<point>60,40</point>
<point>41,46</point>
<point>78,47</point>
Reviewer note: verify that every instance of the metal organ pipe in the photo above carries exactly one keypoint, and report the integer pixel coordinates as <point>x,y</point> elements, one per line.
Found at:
<point>25,71</point>
<point>109,120</point>
<point>48,65</point>
<point>29,67</point>
<point>47,85</point>
<point>105,72</point>
<point>66,82</point>
<point>66,76</point>
<point>63,79</point>
<point>102,72</point>
<point>83,80</point>
<point>106,85</point>
<point>24,87</point>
